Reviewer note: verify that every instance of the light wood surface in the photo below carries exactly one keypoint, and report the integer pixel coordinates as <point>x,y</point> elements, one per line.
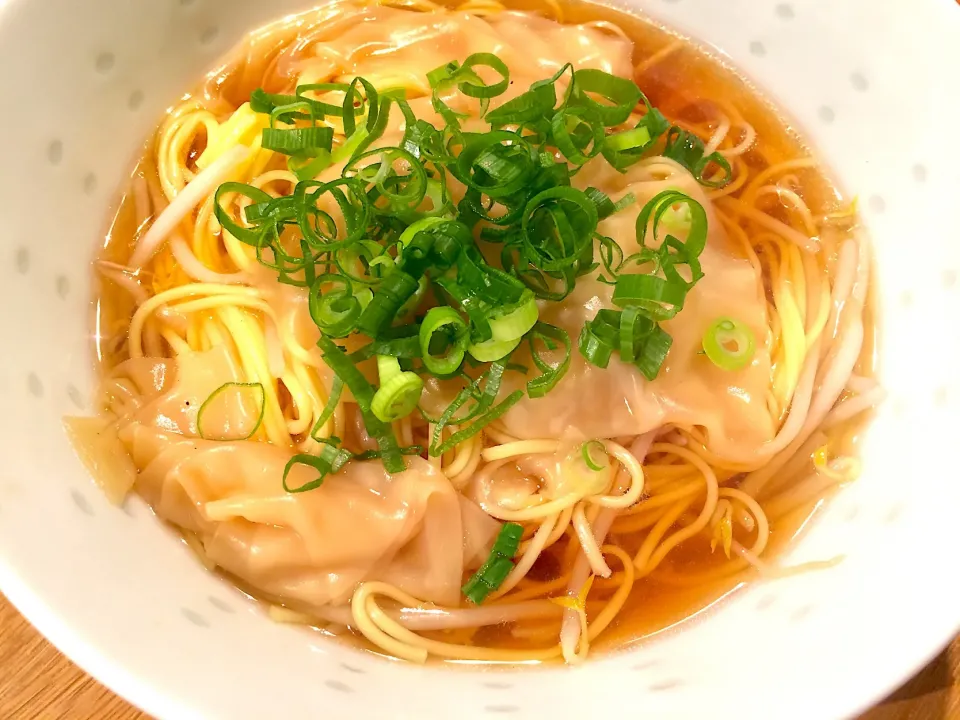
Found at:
<point>38,683</point>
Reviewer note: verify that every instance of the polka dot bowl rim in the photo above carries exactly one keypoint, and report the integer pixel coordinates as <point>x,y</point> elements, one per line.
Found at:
<point>114,590</point>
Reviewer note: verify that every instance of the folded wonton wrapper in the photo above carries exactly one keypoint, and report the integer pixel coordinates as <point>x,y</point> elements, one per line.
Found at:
<point>412,529</point>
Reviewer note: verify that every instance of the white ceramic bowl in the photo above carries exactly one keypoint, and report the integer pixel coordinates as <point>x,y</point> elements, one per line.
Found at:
<point>870,82</point>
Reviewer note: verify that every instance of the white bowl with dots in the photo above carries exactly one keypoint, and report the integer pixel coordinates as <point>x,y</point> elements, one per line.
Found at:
<point>867,82</point>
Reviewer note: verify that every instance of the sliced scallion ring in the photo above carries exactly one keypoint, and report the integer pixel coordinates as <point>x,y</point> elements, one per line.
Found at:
<point>729,344</point>
<point>224,392</point>
<point>516,323</point>
<point>454,331</point>
<point>587,451</point>
<point>397,397</point>
<point>491,350</point>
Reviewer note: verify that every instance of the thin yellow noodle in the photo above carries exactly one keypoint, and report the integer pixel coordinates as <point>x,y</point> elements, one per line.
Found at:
<point>610,27</point>
<point>798,279</point>
<point>461,475</point>
<point>763,177</point>
<point>520,447</point>
<point>651,553</point>
<point>498,435</point>
<point>762,526</point>
<point>386,632</point>
<point>219,301</point>
<point>623,524</point>
<point>164,298</point>
<point>559,529</point>
<point>823,314</point>
<point>715,461</point>
<point>177,343</point>
<point>533,590</point>
<point>740,174</point>
<point>248,335</point>
<point>634,490</point>
<point>794,201</point>
<point>301,407</point>
<point>739,207</point>
<point>657,58</point>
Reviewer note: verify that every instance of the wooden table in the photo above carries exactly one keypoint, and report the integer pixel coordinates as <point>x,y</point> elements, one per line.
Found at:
<point>38,683</point>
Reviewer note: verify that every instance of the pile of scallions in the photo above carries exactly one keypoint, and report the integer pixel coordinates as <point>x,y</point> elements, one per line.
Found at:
<point>386,239</point>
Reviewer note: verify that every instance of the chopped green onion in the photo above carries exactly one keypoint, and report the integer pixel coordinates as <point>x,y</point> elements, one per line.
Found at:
<point>290,141</point>
<point>388,367</point>
<point>557,227</point>
<point>621,95</point>
<point>483,413</point>
<point>337,311</point>
<point>687,149</point>
<point>406,237</point>
<point>729,344</point>
<point>308,164</point>
<point>495,413</point>
<point>517,322</point>
<point>654,353</point>
<point>550,374</point>
<point>250,236</point>
<point>575,135</point>
<point>586,450</point>
<point>204,407</point>
<point>599,337</point>
<point>497,566</point>
<point>393,292</point>
<point>634,327</point>
<point>496,169</point>
<point>413,302</point>
<point>607,207</point>
<point>446,324</point>
<point>638,138</point>
<point>479,90</point>
<point>363,394</point>
<point>336,390</point>
<point>399,391</point>
<point>265,103</point>
<point>637,338</point>
<point>659,297</point>
<point>330,460</point>
<point>399,345</point>
<point>491,350</point>
<point>374,242</point>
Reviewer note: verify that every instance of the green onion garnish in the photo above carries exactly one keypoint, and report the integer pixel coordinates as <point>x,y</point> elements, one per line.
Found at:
<point>336,390</point>
<point>516,323</point>
<point>399,390</point>
<point>443,331</point>
<point>363,393</point>
<point>550,375</point>
<point>586,451</point>
<point>729,344</point>
<point>376,245</point>
<point>687,149</point>
<point>490,350</point>
<point>294,140</point>
<point>498,564</point>
<point>330,460</point>
<point>221,392</point>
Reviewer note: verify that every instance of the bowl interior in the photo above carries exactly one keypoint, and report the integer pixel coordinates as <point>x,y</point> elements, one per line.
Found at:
<point>114,590</point>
